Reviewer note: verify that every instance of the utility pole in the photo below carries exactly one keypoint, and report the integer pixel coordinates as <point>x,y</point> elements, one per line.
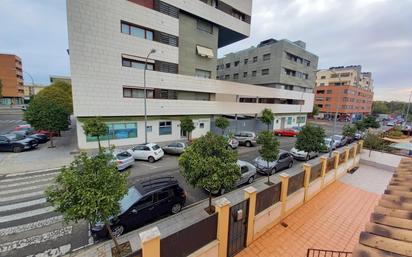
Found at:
<point>145,95</point>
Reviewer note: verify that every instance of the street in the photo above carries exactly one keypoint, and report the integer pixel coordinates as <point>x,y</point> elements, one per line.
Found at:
<point>9,121</point>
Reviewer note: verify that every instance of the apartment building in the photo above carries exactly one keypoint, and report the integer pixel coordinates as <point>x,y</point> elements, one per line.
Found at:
<point>109,43</point>
<point>280,64</point>
<point>347,90</point>
<point>11,75</point>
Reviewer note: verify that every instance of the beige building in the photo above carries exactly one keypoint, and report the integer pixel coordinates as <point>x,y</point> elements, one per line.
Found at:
<point>30,90</point>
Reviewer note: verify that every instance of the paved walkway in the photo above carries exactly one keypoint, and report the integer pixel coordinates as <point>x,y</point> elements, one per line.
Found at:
<point>332,220</point>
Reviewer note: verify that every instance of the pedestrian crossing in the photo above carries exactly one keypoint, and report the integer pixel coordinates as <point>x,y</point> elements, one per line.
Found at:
<point>29,225</point>
<point>12,121</point>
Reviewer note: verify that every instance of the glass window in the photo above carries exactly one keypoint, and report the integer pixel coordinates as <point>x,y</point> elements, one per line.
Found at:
<point>137,32</point>
<point>266,57</point>
<point>145,202</point>
<point>203,73</point>
<point>117,131</point>
<point>149,35</point>
<point>162,195</point>
<point>165,128</point>
<point>126,63</point>
<point>254,73</point>
<point>245,61</point>
<point>236,76</point>
<point>137,93</point>
<point>265,72</point>
<point>138,65</point>
<point>127,92</point>
<point>205,26</point>
<point>201,125</point>
<point>255,59</point>
<point>125,28</point>
<point>244,169</point>
<point>245,74</point>
<point>289,120</point>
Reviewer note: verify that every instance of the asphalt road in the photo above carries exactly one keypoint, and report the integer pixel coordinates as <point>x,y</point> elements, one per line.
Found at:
<point>9,121</point>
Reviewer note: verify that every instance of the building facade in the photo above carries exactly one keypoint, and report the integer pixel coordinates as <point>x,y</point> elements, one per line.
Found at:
<point>30,90</point>
<point>11,76</point>
<point>109,42</point>
<point>280,64</point>
<point>54,78</point>
<point>347,90</point>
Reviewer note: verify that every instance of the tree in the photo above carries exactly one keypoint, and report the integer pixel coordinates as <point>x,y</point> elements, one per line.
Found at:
<point>187,126</point>
<point>311,139</point>
<point>209,164</point>
<point>379,107</point>
<point>267,117</point>
<point>95,127</point>
<point>370,122</point>
<point>374,142</point>
<point>315,110</point>
<point>43,114</point>
<point>349,130</point>
<point>222,123</point>
<point>60,93</point>
<point>360,125</point>
<point>269,150</point>
<point>89,189</point>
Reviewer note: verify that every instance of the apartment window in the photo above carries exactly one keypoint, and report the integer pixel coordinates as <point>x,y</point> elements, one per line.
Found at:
<point>168,39</point>
<point>165,128</point>
<point>306,62</point>
<point>301,119</point>
<point>236,63</point>
<point>203,73</point>
<point>137,93</point>
<point>322,84</point>
<point>320,92</point>
<point>323,77</point>
<point>289,87</point>
<point>255,59</point>
<point>205,26</point>
<point>266,57</point>
<point>245,61</point>
<point>136,64</point>
<point>265,72</point>
<point>294,58</point>
<point>117,131</point>
<point>227,77</point>
<point>289,120</point>
<point>149,129</point>
<point>245,74</point>
<point>254,73</point>
<point>136,31</point>
<point>167,67</point>
<point>328,91</point>
<point>328,98</point>
<point>289,72</point>
<point>227,65</point>
<point>168,9</point>
<point>201,125</point>
<point>236,76</point>
<point>327,106</point>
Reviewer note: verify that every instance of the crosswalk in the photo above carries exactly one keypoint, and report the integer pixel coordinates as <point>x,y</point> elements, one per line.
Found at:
<point>29,225</point>
<point>12,121</point>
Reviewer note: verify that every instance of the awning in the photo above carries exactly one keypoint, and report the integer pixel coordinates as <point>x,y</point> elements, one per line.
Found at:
<point>205,52</point>
<point>137,58</point>
<point>402,146</point>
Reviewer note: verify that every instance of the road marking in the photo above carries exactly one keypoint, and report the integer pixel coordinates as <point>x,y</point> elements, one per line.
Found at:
<point>30,226</point>
<point>29,172</point>
<point>27,214</point>
<point>17,190</point>
<point>7,179</point>
<point>151,166</point>
<point>55,252</point>
<point>20,196</point>
<point>34,240</point>
<point>22,204</point>
<point>27,183</point>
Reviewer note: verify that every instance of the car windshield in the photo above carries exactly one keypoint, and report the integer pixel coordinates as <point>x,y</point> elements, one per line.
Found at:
<point>14,137</point>
<point>123,155</point>
<point>155,147</point>
<point>328,141</point>
<point>337,137</point>
<point>129,199</point>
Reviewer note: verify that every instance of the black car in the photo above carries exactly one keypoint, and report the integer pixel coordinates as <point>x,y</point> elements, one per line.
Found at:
<point>16,143</point>
<point>41,138</point>
<point>144,202</point>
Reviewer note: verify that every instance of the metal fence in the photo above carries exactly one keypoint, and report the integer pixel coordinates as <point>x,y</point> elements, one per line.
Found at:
<point>267,198</point>
<point>190,239</point>
<point>316,171</point>
<point>296,182</point>
<point>327,253</point>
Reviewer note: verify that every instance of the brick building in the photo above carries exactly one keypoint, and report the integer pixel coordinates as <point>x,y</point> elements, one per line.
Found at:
<point>11,75</point>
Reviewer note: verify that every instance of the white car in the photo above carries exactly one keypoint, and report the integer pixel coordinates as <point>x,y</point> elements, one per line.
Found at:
<point>147,152</point>
<point>123,159</point>
<point>302,155</point>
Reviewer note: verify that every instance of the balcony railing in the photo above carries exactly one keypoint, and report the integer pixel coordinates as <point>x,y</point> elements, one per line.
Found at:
<point>327,253</point>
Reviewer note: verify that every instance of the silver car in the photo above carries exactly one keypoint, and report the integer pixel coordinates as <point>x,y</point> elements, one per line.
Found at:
<point>284,161</point>
<point>246,138</point>
<point>302,155</point>
<point>248,175</point>
<point>175,148</point>
<point>123,159</point>
<point>330,144</point>
<point>233,143</point>
<point>340,140</point>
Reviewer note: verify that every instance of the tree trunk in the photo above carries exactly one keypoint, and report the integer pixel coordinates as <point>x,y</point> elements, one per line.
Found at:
<point>370,152</point>
<point>269,172</point>
<point>188,136</point>
<point>113,238</point>
<point>51,140</point>
<point>98,141</point>
<point>210,201</point>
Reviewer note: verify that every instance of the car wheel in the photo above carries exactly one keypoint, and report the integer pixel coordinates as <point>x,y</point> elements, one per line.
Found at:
<point>222,191</point>
<point>250,180</point>
<point>151,159</point>
<point>17,149</point>
<point>307,157</point>
<point>274,170</point>
<point>290,165</point>
<point>248,144</point>
<point>176,208</point>
<point>117,230</point>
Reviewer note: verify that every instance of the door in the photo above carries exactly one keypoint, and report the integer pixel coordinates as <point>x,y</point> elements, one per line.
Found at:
<point>142,213</point>
<point>283,160</point>
<point>163,202</point>
<point>5,145</point>
<point>243,175</point>
<point>282,123</point>
<point>237,228</point>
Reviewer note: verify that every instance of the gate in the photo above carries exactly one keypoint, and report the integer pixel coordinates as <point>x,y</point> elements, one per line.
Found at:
<point>237,228</point>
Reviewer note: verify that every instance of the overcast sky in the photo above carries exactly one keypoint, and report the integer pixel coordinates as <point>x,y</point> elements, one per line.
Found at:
<point>376,34</point>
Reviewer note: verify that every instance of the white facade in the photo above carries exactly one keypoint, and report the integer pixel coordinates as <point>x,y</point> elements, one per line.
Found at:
<point>96,48</point>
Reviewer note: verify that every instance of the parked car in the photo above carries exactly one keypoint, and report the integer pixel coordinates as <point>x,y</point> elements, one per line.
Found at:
<point>24,130</point>
<point>330,144</point>
<point>175,148</point>
<point>41,138</point>
<point>144,202</point>
<point>359,135</point>
<point>49,133</point>
<point>232,142</point>
<point>390,123</point>
<point>286,132</point>
<point>148,152</point>
<point>246,138</point>
<point>302,155</point>
<point>284,161</point>
<point>248,175</point>
<point>16,143</point>
<point>340,140</point>
<point>22,126</point>
<point>123,159</point>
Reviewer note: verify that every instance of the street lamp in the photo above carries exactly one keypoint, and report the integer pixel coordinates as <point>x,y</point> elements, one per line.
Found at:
<point>145,94</point>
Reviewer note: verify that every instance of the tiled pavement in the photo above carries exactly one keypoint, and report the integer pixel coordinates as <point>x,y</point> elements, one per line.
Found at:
<point>332,220</point>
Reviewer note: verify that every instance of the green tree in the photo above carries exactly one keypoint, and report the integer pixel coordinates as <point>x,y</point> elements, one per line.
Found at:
<point>269,149</point>
<point>89,189</point>
<point>349,130</point>
<point>47,115</point>
<point>370,122</point>
<point>267,117</point>
<point>360,125</point>
<point>187,126</point>
<point>209,164</point>
<point>315,110</point>
<point>222,123</point>
<point>311,139</point>
<point>95,127</point>
<point>374,142</point>
<point>379,107</point>
<point>60,93</point>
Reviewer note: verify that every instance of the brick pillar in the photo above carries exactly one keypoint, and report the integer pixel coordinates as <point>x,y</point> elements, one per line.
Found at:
<point>150,240</point>
<point>250,193</point>
<point>336,155</point>
<point>284,178</point>
<point>222,206</point>
<point>361,146</point>
<point>324,161</point>
<point>307,169</point>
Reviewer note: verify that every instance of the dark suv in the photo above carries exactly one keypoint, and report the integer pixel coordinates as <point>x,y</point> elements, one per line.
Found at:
<point>16,143</point>
<point>144,202</point>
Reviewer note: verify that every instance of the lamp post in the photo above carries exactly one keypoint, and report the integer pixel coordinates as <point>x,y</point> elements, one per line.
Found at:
<point>145,94</point>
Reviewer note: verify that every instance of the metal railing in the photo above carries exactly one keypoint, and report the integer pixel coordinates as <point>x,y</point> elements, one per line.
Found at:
<point>327,253</point>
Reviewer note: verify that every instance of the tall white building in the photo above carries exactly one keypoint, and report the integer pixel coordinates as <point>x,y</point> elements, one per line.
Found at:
<point>109,41</point>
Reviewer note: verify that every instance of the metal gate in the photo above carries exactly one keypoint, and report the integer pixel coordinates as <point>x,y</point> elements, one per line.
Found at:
<point>238,219</point>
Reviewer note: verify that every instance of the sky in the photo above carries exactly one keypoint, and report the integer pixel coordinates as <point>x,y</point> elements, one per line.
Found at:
<point>376,34</point>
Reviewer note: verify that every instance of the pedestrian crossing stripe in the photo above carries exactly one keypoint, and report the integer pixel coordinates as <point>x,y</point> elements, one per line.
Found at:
<point>11,121</point>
